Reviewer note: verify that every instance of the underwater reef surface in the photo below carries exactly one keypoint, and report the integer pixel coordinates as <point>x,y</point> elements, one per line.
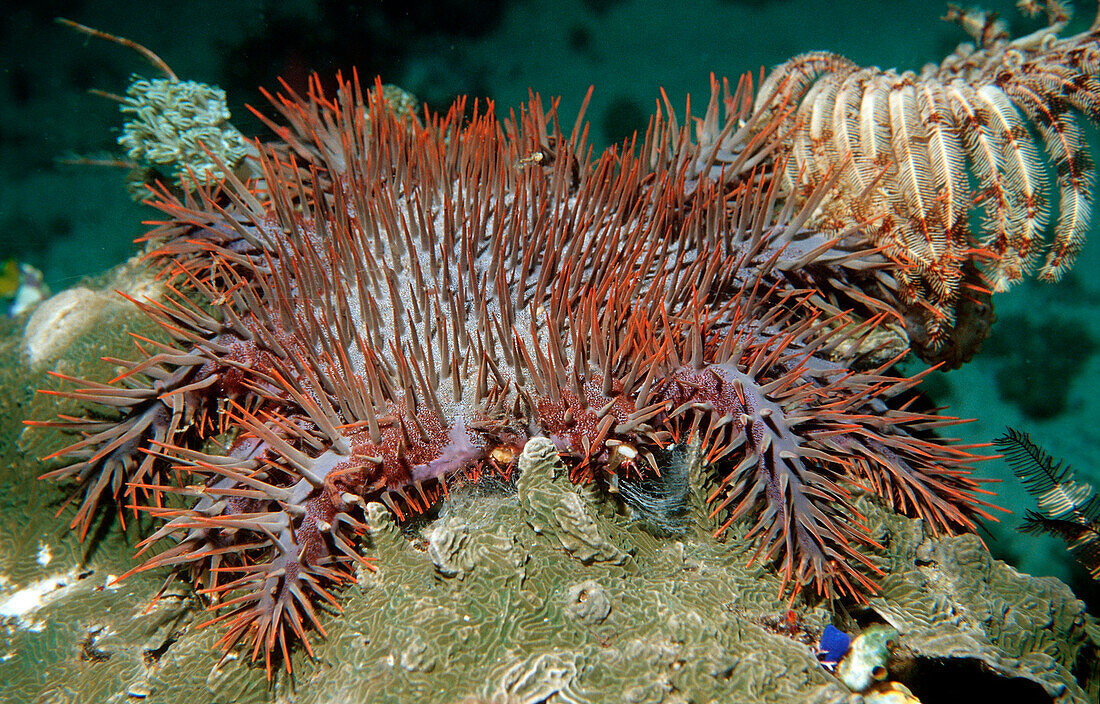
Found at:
<point>541,592</point>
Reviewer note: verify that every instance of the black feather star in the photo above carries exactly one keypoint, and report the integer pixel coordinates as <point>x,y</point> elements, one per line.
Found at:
<point>1068,509</point>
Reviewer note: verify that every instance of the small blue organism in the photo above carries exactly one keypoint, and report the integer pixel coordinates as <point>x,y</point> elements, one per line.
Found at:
<point>833,646</point>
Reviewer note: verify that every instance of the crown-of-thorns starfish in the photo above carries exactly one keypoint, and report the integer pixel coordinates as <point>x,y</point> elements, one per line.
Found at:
<point>393,303</point>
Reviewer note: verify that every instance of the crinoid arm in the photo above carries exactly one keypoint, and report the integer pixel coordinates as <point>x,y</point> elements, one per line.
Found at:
<point>1068,508</point>
<point>918,152</point>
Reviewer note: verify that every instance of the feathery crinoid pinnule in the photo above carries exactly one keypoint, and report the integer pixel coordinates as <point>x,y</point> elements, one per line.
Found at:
<point>1068,508</point>
<point>396,303</point>
<point>919,152</point>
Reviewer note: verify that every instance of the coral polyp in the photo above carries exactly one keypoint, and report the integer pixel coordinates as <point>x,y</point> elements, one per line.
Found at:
<point>394,304</point>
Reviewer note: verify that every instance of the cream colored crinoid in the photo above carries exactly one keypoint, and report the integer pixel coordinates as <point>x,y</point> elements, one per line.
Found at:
<point>918,152</point>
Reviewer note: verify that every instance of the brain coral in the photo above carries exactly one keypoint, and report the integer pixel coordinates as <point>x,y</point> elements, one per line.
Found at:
<point>487,588</point>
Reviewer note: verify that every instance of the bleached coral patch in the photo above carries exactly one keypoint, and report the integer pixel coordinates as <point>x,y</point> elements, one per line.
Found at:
<point>22,604</point>
<point>57,321</point>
